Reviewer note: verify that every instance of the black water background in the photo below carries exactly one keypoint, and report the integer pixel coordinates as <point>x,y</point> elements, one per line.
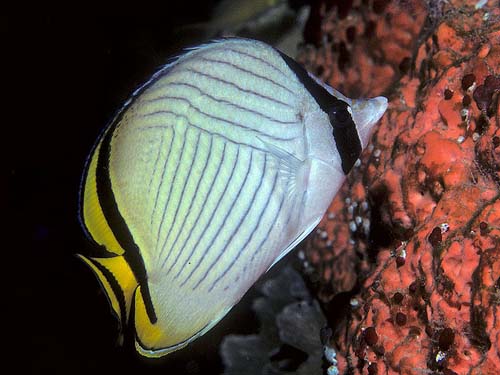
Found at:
<point>66,71</point>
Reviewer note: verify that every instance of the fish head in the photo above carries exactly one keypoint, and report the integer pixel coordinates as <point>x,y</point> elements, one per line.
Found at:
<point>364,112</point>
<point>336,134</point>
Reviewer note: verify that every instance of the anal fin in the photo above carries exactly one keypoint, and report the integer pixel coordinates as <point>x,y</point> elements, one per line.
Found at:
<point>155,340</point>
<point>117,280</point>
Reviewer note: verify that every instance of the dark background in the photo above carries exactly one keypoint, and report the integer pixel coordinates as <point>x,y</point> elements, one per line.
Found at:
<point>65,73</point>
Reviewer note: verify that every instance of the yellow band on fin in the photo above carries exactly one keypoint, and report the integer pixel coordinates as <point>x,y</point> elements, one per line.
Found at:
<point>117,280</point>
<point>148,336</point>
<point>93,216</point>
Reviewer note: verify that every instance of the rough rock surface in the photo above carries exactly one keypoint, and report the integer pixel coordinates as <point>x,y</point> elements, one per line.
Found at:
<point>415,233</point>
<point>289,334</point>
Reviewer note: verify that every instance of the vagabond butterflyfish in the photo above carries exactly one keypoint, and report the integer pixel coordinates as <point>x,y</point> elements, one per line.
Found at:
<point>212,171</point>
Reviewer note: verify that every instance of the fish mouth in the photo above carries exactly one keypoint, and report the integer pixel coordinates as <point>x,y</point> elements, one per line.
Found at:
<point>366,113</point>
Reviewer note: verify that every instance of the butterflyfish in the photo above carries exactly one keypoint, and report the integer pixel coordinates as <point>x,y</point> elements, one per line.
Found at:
<point>212,171</point>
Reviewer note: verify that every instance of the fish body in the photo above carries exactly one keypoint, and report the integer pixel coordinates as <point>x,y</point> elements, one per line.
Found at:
<point>214,170</point>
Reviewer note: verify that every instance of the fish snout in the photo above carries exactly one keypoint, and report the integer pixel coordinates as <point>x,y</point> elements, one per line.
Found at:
<point>366,113</point>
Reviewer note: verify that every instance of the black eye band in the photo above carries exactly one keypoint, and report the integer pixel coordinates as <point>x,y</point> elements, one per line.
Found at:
<point>343,126</point>
<point>319,93</point>
<point>339,115</point>
<point>345,134</point>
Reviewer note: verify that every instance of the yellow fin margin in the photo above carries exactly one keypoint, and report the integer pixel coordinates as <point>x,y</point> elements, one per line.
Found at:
<point>93,216</point>
<point>118,281</point>
<point>150,338</point>
<point>149,335</point>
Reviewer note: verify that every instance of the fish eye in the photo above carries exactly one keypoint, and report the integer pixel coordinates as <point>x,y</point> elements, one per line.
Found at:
<point>339,114</point>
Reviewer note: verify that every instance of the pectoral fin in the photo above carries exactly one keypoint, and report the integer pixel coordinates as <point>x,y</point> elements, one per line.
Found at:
<point>291,168</point>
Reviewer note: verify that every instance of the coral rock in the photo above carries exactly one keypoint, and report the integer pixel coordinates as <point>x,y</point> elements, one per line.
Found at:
<point>289,332</point>
<point>414,235</point>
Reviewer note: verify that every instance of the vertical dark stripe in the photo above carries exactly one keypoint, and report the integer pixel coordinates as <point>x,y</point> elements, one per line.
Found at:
<point>236,225</point>
<point>162,179</point>
<point>165,207</point>
<point>266,236</point>
<point>81,192</point>
<point>106,197</point>
<point>207,197</point>
<point>202,175</point>
<point>156,163</point>
<point>221,197</point>
<point>181,198</point>
<point>243,248</point>
<point>262,213</point>
<point>319,93</point>
<point>348,145</point>
<point>345,134</point>
<point>116,221</point>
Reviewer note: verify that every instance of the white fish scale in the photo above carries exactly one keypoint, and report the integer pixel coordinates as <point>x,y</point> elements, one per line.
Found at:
<point>176,107</point>
<point>251,231</point>
<point>278,93</point>
<point>225,227</point>
<point>171,191</point>
<point>207,213</point>
<point>210,298</point>
<point>203,201</point>
<point>161,180</point>
<point>200,235</point>
<point>178,104</point>
<point>258,219</point>
<point>195,164</point>
<point>204,75</point>
<point>224,234</point>
<point>256,57</point>
<point>213,193</point>
<point>273,92</point>
<point>214,253</point>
